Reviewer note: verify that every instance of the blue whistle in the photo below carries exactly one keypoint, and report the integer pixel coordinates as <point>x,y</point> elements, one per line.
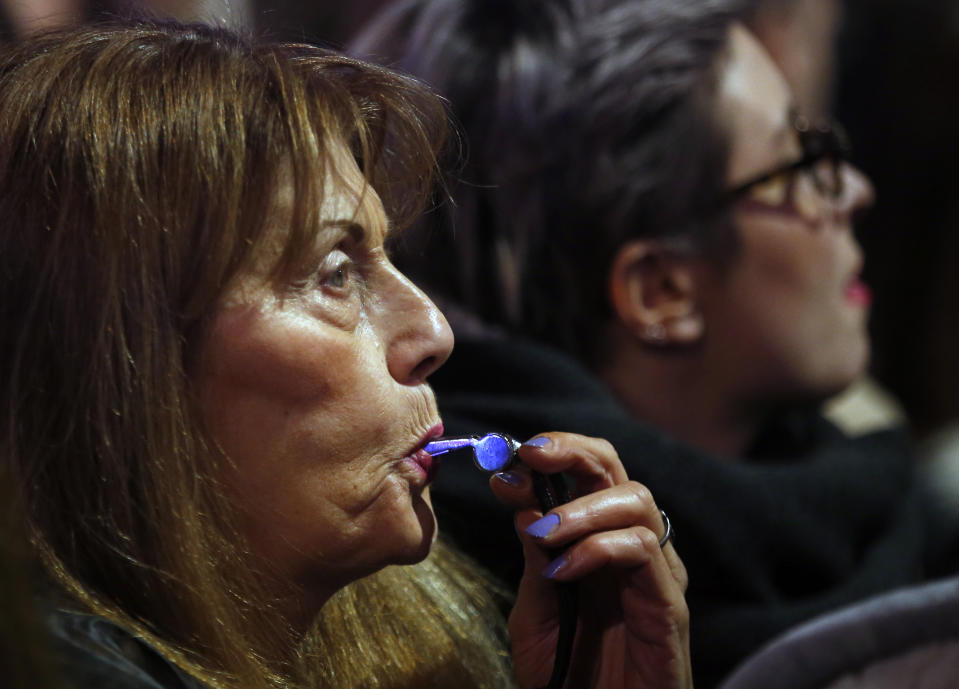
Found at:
<point>492,452</point>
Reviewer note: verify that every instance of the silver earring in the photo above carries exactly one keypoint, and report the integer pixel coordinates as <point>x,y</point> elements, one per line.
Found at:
<point>654,333</point>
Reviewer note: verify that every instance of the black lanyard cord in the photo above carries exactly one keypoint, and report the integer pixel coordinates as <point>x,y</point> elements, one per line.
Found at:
<point>551,491</point>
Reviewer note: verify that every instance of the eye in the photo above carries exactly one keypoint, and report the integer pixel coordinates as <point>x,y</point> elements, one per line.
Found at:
<point>337,271</point>
<point>771,192</point>
<point>339,277</point>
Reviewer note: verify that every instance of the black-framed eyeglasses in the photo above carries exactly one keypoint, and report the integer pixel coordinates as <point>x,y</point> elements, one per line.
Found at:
<point>825,147</point>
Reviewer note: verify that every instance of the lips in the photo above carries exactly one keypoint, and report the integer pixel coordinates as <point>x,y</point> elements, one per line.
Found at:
<point>425,461</point>
<point>422,459</point>
<point>858,293</point>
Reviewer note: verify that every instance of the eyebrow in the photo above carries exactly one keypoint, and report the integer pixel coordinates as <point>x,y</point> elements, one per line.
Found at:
<point>354,229</point>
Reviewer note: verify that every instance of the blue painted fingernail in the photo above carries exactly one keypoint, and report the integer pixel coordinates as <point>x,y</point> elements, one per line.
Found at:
<point>544,526</point>
<point>553,567</point>
<point>539,441</point>
<point>511,478</point>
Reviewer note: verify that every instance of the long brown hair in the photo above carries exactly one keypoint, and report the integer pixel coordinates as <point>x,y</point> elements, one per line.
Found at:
<point>138,169</point>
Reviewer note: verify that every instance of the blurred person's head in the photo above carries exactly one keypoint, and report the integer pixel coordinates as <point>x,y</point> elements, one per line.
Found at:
<point>215,379</point>
<point>26,17</point>
<point>617,200</point>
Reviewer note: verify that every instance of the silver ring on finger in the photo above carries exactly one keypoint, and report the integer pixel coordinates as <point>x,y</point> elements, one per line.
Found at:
<point>668,525</point>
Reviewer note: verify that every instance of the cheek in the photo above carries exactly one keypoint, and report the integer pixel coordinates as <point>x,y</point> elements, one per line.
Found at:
<point>794,327</point>
<point>265,370</point>
<point>293,425</point>
<point>310,464</point>
<point>790,274</point>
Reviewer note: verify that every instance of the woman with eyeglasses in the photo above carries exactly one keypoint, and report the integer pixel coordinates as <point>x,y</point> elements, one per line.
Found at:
<point>651,244</point>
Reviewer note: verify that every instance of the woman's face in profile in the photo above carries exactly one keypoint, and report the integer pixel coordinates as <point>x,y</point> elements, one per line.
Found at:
<point>316,392</point>
<point>790,306</point>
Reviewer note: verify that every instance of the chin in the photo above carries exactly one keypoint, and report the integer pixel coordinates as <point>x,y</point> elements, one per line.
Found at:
<point>858,362</point>
<point>844,373</point>
<point>422,535</point>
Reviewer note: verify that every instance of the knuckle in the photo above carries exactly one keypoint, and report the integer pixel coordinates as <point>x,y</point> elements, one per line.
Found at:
<point>593,512</point>
<point>680,615</point>
<point>605,448</point>
<point>604,460</point>
<point>681,576</point>
<point>591,546</point>
<point>596,549</point>
<point>648,540</point>
<point>641,494</point>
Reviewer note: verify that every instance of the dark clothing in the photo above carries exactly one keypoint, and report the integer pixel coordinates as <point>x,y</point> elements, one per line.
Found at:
<point>93,653</point>
<point>810,521</point>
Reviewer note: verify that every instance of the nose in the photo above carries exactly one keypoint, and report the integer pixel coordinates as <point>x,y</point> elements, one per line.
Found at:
<point>419,337</point>
<point>858,192</point>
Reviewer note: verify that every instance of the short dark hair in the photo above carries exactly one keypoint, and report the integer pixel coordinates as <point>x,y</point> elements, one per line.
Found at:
<point>587,122</point>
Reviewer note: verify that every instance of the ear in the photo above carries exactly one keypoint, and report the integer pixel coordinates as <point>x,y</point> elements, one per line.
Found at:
<point>654,293</point>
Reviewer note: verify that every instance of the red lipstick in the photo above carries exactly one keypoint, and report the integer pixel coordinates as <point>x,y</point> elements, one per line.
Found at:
<point>858,293</point>
<point>423,459</point>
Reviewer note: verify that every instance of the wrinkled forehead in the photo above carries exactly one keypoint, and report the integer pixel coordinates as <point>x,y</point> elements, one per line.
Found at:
<point>350,198</point>
<point>309,206</point>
